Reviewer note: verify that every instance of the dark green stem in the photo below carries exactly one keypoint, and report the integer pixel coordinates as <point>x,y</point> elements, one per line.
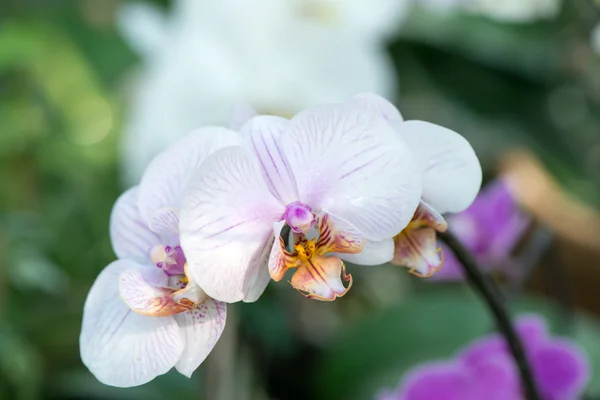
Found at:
<point>488,290</point>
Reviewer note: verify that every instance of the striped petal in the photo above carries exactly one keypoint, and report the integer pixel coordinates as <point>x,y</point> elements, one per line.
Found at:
<point>322,278</point>
<point>130,236</point>
<point>378,104</point>
<point>350,162</point>
<point>451,171</point>
<point>226,222</point>
<point>200,330</point>
<point>417,250</point>
<point>428,216</point>
<point>280,259</point>
<point>167,176</point>
<point>120,347</point>
<point>146,299</point>
<point>337,235</point>
<point>263,133</point>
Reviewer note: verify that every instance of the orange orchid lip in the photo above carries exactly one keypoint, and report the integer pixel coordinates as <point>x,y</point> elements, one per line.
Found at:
<point>416,246</point>
<point>154,301</point>
<point>319,275</point>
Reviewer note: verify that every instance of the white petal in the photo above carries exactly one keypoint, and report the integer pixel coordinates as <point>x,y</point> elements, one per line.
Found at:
<point>225,223</point>
<point>200,330</point>
<point>122,348</point>
<point>241,114</point>
<point>351,162</point>
<point>165,223</point>
<point>263,133</point>
<point>259,278</point>
<point>451,170</point>
<point>378,104</point>
<point>374,253</point>
<point>130,236</point>
<point>143,25</point>
<point>168,174</point>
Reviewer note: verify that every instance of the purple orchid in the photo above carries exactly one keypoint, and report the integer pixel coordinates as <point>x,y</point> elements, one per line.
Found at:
<point>490,228</point>
<point>485,370</point>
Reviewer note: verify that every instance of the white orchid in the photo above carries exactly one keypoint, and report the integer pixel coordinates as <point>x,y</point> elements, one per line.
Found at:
<point>145,314</point>
<point>336,175</point>
<point>279,56</point>
<point>451,178</point>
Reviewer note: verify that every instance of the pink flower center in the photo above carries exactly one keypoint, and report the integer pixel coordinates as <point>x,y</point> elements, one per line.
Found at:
<point>299,217</point>
<point>170,259</point>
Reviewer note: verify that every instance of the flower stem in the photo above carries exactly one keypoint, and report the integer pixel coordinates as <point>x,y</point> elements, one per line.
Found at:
<point>488,290</point>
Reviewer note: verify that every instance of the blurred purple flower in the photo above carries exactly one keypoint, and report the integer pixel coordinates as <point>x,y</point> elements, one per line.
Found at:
<point>490,228</point>
<point>485,370</point>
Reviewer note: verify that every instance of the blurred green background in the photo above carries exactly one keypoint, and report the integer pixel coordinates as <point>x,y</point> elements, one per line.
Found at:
<point>528,88</point>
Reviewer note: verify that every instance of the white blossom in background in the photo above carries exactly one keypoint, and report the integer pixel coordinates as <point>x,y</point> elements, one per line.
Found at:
<point>278,56</point>
<point>518,11</point>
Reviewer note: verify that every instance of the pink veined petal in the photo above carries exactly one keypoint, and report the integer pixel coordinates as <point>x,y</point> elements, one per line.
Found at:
<point>280,259</point>
<point>350,162</point>
<point>374,253</point>
<point>122,348</point>
<point>263,133</point>
<point>378,104</point>
<point>146,299</point>
<point>200,330</point>
<point>240,114</point>
<point>259,277</point>
<point>417,249</point>
<point>451,170</point>
<point>336,235</point>
<point>322,278</point>
<point>428,216</point>
<point>165,223</point>
<point>167,176</point>
<point>225,223</point>
<point>130,236</point>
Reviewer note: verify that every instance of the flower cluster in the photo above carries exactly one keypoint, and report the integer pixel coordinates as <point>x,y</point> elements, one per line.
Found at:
<point>220,213</point>
<point>485,370</point>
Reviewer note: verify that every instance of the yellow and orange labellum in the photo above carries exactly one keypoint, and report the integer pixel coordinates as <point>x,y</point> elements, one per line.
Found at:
<point>417,249</point>
<point>426,216</point>
<point>153,301</point>
<point>318,276</point>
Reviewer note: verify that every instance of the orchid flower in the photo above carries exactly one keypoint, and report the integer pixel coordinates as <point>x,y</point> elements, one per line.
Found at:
<point>485,370</point>
<point>490,228</point>
<point>144,313</point>
<point>279,56</point>
<point>451,177</point>
<point>334,176</point>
